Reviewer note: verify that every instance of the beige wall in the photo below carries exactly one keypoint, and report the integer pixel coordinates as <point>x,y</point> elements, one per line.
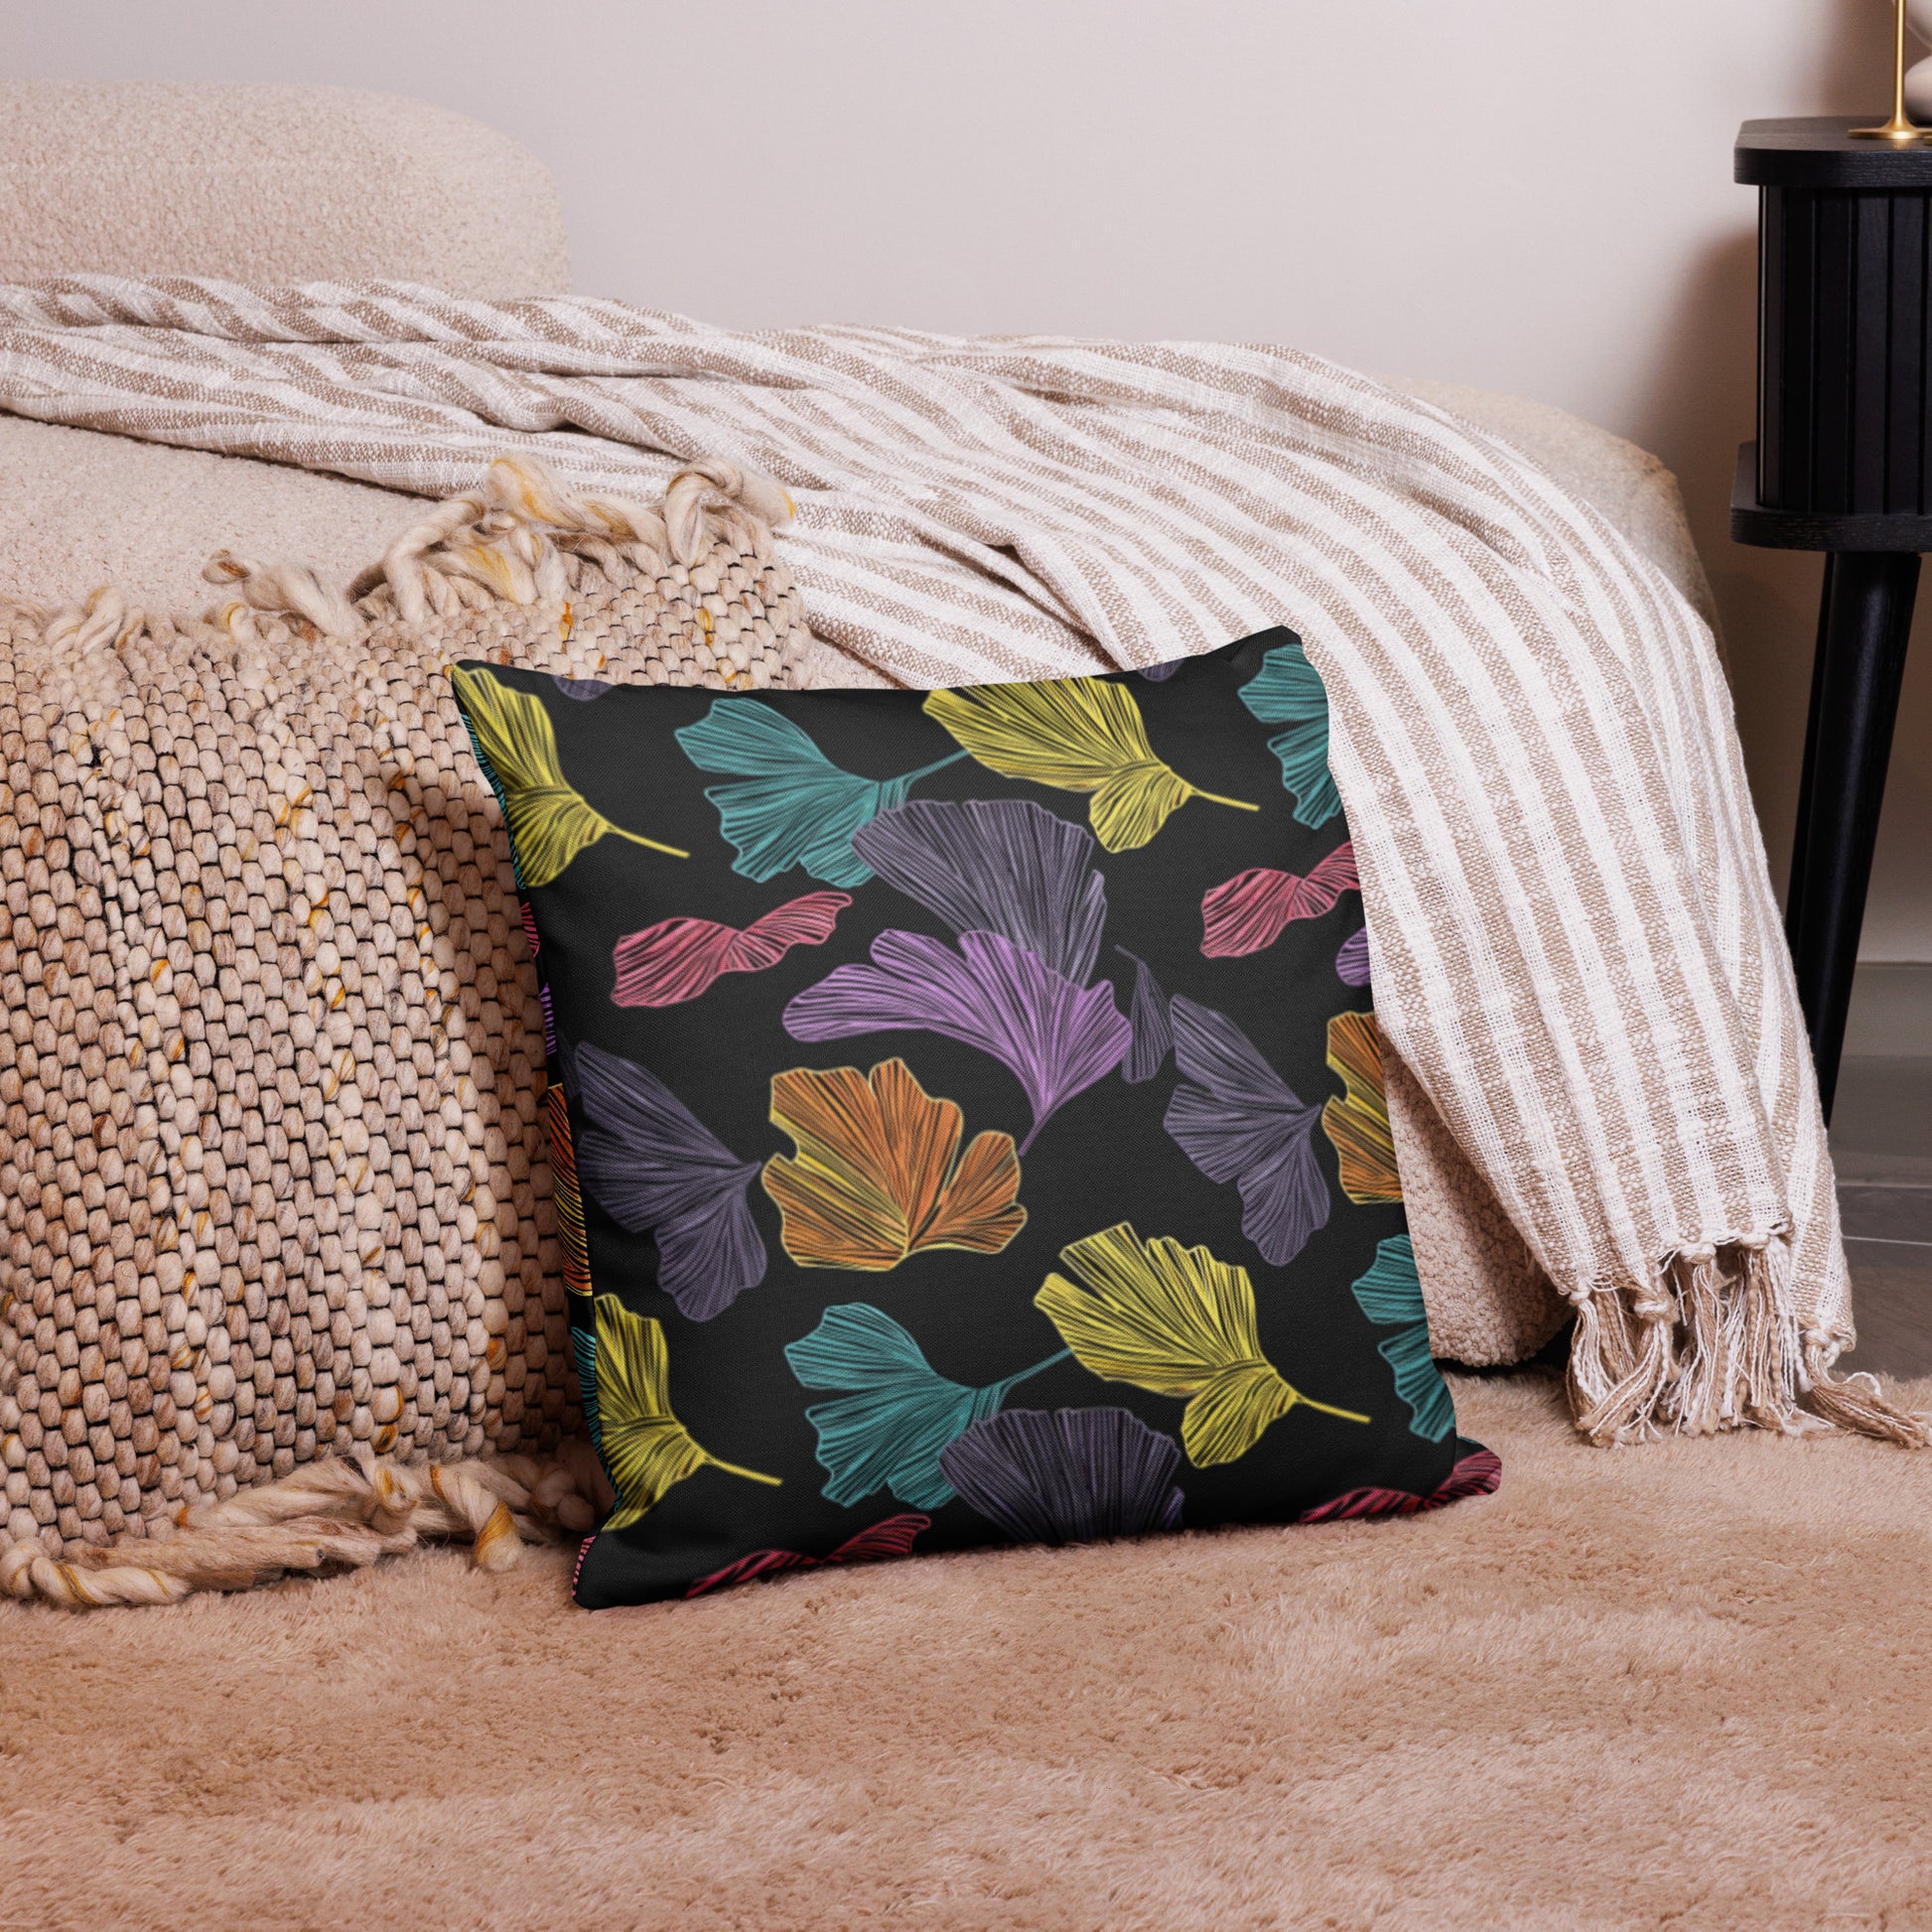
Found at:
<point>1524,194</point>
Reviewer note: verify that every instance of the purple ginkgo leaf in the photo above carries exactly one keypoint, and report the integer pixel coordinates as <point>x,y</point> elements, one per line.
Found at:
<point>1068,1476</point>
<point>1147,1015</point>
<point>1352,962</point>
<point>1240,1121</point>
<point>1056,1038</point>
<point>996,865</point>
<point>657,1169</point>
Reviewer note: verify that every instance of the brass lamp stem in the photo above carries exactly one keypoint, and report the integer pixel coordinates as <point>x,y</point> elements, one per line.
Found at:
<point>1901,127</point>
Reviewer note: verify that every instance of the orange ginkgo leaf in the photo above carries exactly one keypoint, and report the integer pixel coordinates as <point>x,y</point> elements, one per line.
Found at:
<point>878,1174</point>
<point>1357,1122</point>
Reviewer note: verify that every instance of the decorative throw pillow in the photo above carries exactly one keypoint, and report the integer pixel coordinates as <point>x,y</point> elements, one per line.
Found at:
<point>967,1118</point>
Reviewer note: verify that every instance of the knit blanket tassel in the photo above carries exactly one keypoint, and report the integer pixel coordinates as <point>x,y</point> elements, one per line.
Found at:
<point>340,1513</point>
<point>1712,1342</point>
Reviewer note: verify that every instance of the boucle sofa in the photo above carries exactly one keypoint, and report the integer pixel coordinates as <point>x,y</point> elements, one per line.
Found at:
<point>297,183</point>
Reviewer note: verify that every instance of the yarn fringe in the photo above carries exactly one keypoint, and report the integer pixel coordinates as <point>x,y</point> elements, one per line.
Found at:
<point>520,537</point>
<point>1857,1401</point>
<point>1713,1343</point>
<point>334,1514</point>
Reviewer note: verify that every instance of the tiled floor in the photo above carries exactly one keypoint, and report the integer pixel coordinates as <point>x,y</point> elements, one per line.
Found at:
<point>1881,1144</point>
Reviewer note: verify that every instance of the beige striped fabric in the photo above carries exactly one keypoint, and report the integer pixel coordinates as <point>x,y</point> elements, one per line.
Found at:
<point>1575,943</point>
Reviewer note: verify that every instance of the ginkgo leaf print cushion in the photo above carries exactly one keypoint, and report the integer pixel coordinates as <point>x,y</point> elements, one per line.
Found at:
<point>967,1116</point>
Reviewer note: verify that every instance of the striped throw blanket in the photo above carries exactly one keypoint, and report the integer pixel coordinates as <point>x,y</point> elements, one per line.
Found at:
<point>1575,944</point>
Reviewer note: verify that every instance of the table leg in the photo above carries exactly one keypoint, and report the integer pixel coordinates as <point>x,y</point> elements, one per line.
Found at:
<point>1863,622</point>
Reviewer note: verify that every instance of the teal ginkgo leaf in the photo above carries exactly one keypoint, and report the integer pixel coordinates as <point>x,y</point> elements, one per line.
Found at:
<point>894,1413</point>
<point>786,803</point>
<point>1287,690</point>
<point>1390,1295</point>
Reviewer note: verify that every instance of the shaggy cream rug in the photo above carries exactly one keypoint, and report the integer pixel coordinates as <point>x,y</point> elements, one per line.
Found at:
<point>1686,1685</point>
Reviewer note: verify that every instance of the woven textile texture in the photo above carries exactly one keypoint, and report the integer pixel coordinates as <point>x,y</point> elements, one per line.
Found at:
<point>1577,949</point>
<point>272,1148</point>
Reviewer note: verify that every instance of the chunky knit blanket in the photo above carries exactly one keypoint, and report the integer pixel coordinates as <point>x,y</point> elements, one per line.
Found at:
<point>1575,945</point>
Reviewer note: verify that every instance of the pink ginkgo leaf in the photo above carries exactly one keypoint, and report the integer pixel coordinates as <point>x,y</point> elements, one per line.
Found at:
<point>677,959</point>
<point>1248,913</point>
<point>1476,1474</point>
<point>893,1537</point>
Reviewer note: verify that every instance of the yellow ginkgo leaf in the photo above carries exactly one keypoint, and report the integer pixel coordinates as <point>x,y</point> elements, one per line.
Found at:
<point>646,1449</point>
<point>879,1175</point>
<point>1357,1123</point>
<point>550,823</point>
<point>1177,1322</point>
<point>1076,734</point>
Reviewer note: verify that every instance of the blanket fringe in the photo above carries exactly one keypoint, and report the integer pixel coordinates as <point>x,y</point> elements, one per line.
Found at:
<point>334,1514</point>
<point>523,537</point>
<point>1713,1344</point>
<point>520,537</point>
<point>1857,1403</point>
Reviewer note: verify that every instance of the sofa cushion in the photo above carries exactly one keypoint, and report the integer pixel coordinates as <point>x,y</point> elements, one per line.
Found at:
<point>79,508</point>
<point>269,183</point>
<point>1626,486</point>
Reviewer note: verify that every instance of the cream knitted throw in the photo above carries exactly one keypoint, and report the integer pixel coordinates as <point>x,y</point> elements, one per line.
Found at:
<point>1575,944</point>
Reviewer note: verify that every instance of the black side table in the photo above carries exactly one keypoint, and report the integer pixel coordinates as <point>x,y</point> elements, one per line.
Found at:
<point>1843,463</point>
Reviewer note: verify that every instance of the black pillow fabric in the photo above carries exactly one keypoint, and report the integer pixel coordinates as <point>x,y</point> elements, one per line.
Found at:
<point>967,1115</point>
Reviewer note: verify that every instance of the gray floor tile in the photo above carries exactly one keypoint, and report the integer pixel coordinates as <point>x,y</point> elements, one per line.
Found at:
<point>1882,1146</point>
<point>1881,1125</point>
<point>1891,1298</point>
<point>1878,1213</point>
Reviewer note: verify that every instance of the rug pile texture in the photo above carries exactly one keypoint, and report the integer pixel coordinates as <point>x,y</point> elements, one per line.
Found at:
<point>1689,1686</point>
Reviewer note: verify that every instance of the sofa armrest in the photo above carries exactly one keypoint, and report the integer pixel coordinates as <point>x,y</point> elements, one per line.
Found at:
<point>1628,485</point>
